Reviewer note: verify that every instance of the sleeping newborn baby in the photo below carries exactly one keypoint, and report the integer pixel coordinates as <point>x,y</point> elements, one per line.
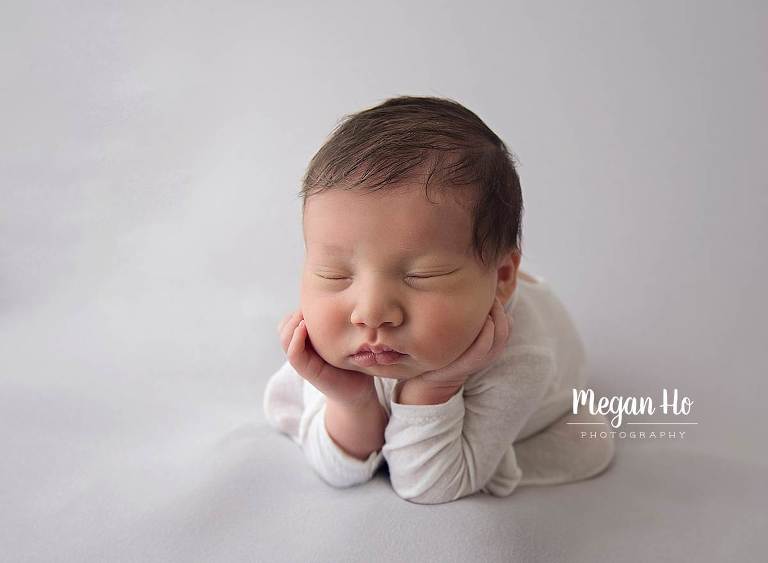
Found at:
<point>418,340</point>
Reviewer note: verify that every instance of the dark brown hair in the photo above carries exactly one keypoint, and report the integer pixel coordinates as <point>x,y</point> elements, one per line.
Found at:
<point>393,141</point>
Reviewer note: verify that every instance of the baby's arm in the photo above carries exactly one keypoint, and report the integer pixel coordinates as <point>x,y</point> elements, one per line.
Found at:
<point>442,452</point>
<point>342,429</point>
<point>359,431</point>
<point>332,463</point>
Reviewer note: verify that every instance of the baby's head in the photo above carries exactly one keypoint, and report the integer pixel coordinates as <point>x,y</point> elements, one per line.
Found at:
<point>412,226</point>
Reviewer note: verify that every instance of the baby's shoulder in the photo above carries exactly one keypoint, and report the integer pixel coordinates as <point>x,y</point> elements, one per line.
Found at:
<point>538,315</point>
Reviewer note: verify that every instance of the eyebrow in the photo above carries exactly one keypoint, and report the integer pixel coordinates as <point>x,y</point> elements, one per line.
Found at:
<point>340,250</point>
<point>337,249</point>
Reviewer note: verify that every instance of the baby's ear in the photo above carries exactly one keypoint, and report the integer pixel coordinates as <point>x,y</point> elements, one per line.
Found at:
<point>506,274</point>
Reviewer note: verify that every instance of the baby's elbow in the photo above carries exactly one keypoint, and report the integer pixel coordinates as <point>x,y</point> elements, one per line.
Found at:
<point>344,482</point>
<point>448,487</point>
<point>432,495</point>
<point>426,500</point>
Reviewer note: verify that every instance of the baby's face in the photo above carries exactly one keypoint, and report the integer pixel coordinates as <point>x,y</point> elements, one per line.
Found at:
<point>391,268</point>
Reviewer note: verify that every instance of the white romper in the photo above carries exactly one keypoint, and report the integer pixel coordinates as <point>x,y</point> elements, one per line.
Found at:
<point>508,425</point>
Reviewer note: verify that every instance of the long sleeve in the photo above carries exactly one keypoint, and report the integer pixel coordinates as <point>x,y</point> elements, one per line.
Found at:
<point>330,462</point>
<point>335,466</point>
<point>296,408</point>
<point>440,453</point>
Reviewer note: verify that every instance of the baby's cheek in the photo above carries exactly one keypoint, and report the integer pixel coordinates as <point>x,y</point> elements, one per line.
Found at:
<point>322,325</point>
<point>446,335</point>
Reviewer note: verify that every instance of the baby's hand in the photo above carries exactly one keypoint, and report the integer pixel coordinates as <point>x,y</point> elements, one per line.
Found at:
<point>348,387</point>
<point>484,350</point>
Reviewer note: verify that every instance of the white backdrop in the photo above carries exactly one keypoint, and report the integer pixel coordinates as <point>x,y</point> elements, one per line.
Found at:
<point>150,236</point>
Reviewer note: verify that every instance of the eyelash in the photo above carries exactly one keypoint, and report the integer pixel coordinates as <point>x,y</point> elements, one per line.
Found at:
<point>413,277</point>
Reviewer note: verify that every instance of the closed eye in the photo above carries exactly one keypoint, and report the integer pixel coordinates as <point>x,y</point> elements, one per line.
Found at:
<point>425,276</point>
<point>413,276</point>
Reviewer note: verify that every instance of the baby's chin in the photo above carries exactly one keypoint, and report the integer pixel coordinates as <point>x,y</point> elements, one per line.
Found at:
<point>388,375</point>
<point>399,370</point>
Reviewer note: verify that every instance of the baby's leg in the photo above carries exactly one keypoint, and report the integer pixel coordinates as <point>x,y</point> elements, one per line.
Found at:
<point>560,454</point>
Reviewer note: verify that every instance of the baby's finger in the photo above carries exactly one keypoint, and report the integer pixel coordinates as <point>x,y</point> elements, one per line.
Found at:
<point>304,359</point>
<point>480,346</point>
<point>296,350</point>
<point>288,329</point>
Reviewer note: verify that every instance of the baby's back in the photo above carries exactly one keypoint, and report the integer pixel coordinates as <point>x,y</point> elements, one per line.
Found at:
<point>540,319</point>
